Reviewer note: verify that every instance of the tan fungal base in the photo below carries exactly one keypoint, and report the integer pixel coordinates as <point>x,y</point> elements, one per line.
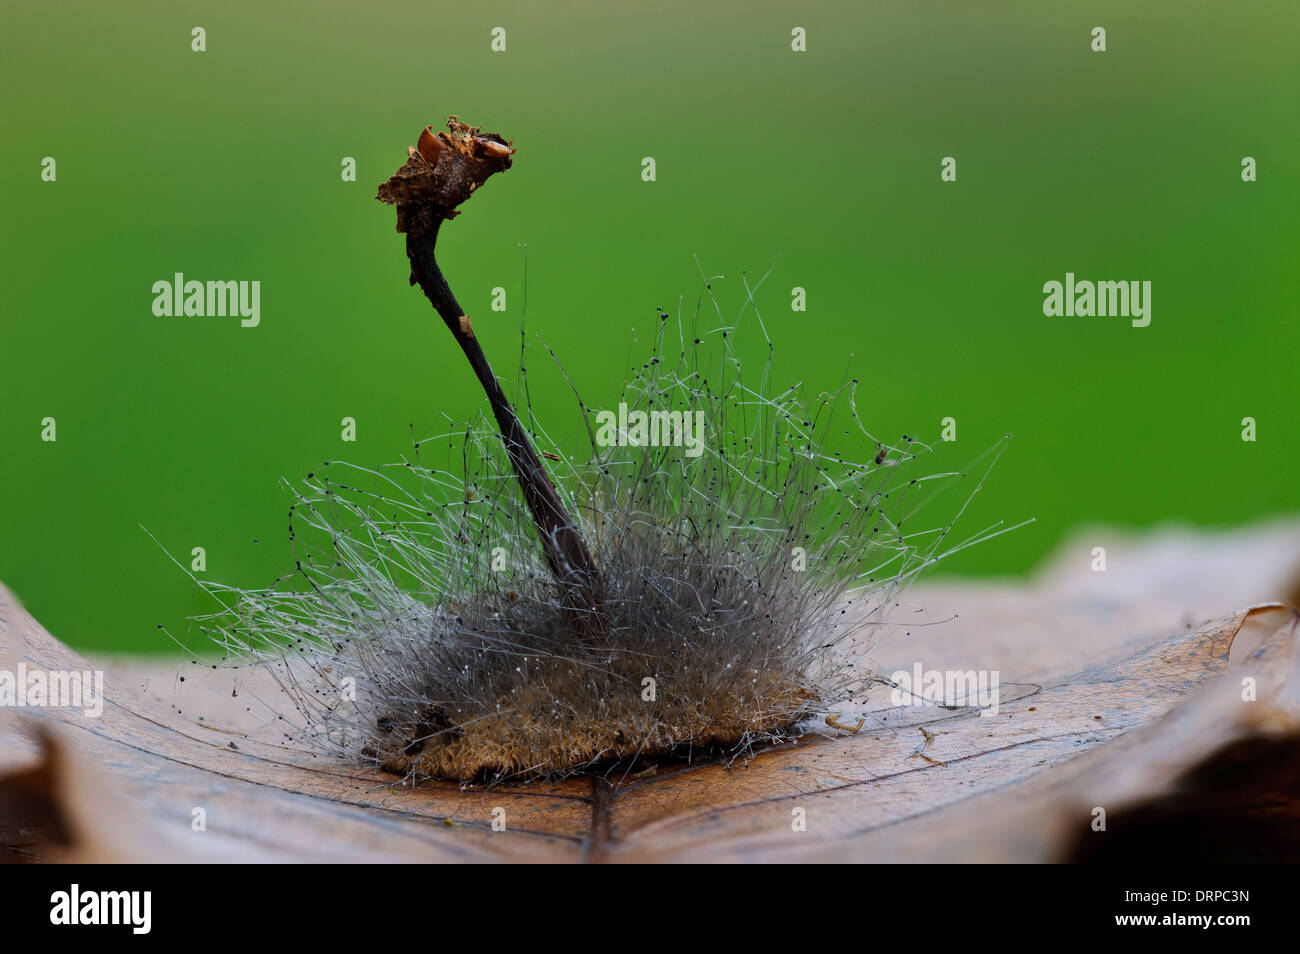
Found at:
<point>533,734</point>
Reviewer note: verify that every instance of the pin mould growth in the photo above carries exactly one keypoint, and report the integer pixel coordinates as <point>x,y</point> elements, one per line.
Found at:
<point>493,618</point>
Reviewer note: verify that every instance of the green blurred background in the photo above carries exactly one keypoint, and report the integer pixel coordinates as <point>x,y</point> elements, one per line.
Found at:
<point>822,166</point>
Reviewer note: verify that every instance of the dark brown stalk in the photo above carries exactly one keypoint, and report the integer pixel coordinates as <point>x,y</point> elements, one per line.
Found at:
<point>440,174</point>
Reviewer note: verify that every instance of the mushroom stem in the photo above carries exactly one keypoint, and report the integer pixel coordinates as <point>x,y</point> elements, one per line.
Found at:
<point>566,551</point>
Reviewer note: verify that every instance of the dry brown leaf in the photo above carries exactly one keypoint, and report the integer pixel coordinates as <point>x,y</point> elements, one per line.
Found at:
<point>1101,708</point>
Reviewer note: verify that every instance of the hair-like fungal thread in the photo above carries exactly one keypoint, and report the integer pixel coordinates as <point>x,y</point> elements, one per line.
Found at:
<point>705,580</point>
